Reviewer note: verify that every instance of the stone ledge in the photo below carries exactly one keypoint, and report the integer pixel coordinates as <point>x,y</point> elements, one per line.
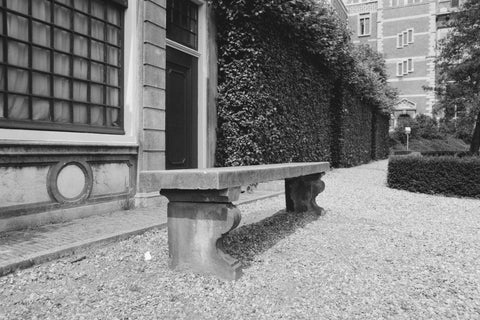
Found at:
<point>221,178</point>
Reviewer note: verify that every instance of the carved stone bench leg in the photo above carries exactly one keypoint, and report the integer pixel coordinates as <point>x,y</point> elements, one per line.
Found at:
<point>300,193</point>
<point>197,222</point>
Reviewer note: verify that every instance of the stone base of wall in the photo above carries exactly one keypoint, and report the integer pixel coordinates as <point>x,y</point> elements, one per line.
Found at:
<point>41,183</point>
<point>34,220</point>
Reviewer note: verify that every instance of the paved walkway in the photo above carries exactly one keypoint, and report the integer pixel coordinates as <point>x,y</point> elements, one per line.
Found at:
<point>22,249</point>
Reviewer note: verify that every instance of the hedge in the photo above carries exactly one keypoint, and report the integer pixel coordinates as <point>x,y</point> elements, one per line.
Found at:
<point>289,89</point>
<point>445,175</point>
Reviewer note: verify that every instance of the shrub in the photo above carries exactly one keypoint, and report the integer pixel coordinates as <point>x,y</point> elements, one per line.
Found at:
<point>452,176</point>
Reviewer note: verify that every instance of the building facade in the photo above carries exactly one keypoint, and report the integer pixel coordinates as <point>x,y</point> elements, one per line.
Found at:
<point>406,32</point>
<point>93,92</point>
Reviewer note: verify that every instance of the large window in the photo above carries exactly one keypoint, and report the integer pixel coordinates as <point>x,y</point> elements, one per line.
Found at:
<point>61,65</point>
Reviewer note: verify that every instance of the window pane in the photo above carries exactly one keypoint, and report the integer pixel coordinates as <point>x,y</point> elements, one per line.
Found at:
<point>62,16</point>
<point>61,88</point>
<point>80,68</point>
<point>97,51</point>
<point>41,34</point>
<point>112,33</point>
<point>80,45</point>
<point>62,64</point>
<point>61,111</point>
<point>98,9</point>
<point>17,80</point>
<point>112,76</point>
<point>17,107</point>
<point>41,84</point>
<point>80,23</point>
<point>113,15</point>
<point>96,116</point>
<point>80,113</point>
<point>17,27</point>
<point>1,105</point>
<point>96,94</point>
<point>41,10</point>
<point>41,109</point>
<point>62,40</point>
<point>17,54</point>
<point>2,80</point>
<point>80,91</point>
<point>98,29</point>
<point>113,55</point>
<point>81,5</point>
<point>41,59</point>
<point>1,50</point>
<point>112,117</point>
<point>18,5</point>
<point>96,72</point>
<point>112,97</point>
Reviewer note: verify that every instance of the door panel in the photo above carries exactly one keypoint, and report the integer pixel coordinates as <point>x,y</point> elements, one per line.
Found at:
<point>181,110</point>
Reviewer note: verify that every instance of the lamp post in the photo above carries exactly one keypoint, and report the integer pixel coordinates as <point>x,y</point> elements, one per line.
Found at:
<point>407,132</point>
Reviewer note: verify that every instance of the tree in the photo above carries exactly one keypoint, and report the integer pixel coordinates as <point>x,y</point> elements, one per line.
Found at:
<point>458,84</point>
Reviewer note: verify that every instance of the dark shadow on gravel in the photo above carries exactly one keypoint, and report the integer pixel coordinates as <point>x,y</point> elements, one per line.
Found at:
<point>251,240</point>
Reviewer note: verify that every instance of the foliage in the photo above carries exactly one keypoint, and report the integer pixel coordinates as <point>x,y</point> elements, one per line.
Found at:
<point>459,66</point>
<point>371,78</point>
<point>422,126</point>
<point>283,66</point>
<point>435,175</point>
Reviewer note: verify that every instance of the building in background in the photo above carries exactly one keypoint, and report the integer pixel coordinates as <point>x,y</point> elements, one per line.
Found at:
<point>406,32</point>
<point>93,92</point>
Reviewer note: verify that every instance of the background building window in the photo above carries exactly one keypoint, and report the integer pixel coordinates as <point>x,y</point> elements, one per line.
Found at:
<point>61,65</point>
<point>455,3</point>
<point>410,35</point>
<point>400,40</point>
<point>404,67</point>
<point>364,24</point>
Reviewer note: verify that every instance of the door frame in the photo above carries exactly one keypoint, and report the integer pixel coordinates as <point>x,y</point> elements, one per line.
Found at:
<point>202,79</point>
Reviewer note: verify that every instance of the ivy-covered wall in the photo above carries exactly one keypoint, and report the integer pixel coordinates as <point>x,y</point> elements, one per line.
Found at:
<point>288,87</point>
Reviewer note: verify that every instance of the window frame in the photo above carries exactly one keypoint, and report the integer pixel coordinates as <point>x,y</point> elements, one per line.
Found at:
<point>410,65</point>
<point>364,16</point>
<point>50,124</point>
<point>411,35</point>
<point>400,40</point>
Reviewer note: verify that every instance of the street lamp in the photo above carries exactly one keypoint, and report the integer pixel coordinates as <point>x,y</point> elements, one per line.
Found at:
<point>407,132</point>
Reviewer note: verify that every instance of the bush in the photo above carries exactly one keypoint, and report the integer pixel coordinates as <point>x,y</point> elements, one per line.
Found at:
<point>452,176</point>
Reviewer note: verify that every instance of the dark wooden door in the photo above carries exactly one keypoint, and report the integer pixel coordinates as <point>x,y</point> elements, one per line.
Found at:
<point>181,110</point>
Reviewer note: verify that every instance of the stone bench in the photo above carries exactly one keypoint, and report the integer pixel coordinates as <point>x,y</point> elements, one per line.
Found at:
<point>200,209</point>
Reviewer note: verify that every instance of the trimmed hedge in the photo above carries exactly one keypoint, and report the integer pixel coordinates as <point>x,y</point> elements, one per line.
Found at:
<point>445,175</point>
<point>290,89</point>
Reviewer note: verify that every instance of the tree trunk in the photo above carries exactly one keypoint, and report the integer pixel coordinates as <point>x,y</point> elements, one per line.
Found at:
<point>475,145</point>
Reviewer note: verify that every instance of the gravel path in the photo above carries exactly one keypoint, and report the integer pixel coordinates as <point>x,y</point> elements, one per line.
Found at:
<point>379,253</point>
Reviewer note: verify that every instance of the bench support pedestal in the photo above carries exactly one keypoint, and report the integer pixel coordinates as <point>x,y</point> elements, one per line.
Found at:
<point>300,193</point>
<point>197,221</point>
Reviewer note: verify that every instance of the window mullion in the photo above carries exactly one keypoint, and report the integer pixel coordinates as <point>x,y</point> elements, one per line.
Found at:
<point>105,60</point>
<point>5,58</point>
<point>30,62</point>
<point>52,63</point>
<point>89,47</point>
<point>72,46</point>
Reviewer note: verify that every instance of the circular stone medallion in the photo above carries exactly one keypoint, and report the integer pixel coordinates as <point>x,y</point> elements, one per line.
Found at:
<point>71,181</point>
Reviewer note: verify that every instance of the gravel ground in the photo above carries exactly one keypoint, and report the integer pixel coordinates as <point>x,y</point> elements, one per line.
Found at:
<point>378,253</point>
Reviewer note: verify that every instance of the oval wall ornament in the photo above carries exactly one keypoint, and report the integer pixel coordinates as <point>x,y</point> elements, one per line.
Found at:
<point>70,181</point>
